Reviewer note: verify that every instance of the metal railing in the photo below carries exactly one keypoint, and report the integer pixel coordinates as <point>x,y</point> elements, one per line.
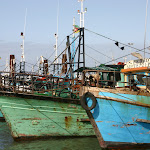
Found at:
<point>110,79</point>
<point>39,84</point>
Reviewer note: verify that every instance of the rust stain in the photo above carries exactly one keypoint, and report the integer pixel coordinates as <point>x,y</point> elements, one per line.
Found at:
<point>99,121</point>
<point>23,135</point>
<point>109,133</point>
<point>78,122</point>
<point>128,125</point>
<point>71,106</point>
<point>68,121</point>
<point>79,127</point>
<point>31,119</point>
<point>115,125</point>
<point>148,132</point>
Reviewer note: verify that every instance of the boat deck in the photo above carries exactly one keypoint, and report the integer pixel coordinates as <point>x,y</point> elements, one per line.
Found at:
<point>30,118</point>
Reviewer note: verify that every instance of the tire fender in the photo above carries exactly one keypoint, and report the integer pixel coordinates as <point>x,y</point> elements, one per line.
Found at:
<point>84,103</point>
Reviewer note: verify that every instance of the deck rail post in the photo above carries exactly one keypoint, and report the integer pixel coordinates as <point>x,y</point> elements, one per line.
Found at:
<point>0,80</point>
<point>114,83</point>
<point>32,84</point>
<point>146,83</point>
<point>12,83</point>
<point>130,81</point>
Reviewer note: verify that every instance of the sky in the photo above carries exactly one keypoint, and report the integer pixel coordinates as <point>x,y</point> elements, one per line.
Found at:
<point>119,20</point>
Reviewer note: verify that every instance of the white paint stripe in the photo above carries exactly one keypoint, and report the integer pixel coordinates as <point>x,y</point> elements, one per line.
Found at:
<point>40,110</point>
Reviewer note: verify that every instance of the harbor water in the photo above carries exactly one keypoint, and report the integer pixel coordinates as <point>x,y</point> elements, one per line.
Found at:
<point>7,142</point>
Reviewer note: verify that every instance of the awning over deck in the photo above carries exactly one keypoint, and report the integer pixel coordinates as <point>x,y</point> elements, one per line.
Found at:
<point>140,69</point>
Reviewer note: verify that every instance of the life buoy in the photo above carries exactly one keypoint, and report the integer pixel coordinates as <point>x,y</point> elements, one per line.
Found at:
<point>84,102</point>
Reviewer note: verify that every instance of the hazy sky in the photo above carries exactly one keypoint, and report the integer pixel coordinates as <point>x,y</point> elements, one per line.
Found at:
<point>120,20</point>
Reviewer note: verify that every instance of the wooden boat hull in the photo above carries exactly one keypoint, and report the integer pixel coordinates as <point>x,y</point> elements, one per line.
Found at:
<point>33,118</point>
<point>121,124</point>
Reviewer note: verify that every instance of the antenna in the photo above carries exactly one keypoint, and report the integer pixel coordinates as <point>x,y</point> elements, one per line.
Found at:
<point>82,14</point>
<point>145,27</point>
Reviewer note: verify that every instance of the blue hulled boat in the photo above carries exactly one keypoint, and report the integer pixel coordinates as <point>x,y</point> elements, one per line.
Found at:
<point>120,115</point>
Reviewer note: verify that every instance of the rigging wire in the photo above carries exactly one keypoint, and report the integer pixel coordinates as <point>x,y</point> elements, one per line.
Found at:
<point>93,58</point>
<point>121,57</point>
<point>137,50</point>
<point>63,51</point>
<point>98,51</point>
<point>117,41</point>
<point>2,66</point>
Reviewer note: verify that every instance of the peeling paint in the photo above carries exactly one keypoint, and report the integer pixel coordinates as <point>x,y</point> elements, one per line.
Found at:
<point>128,125</point>
<point>34,122</point>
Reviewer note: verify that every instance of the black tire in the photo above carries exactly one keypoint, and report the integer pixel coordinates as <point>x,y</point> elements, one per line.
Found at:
<point>84,103</point>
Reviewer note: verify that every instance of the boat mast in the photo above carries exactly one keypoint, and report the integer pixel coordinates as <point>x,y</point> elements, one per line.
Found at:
<point>56,36</point>
<point>145,27</point>
<point>81,52</point>
<point>7,67</point>
<point>73,45</point>
<point>22,63</point>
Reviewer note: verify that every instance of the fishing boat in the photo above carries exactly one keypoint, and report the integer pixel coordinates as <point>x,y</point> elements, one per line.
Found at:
<point>119,108</point>
<point>45,103</point>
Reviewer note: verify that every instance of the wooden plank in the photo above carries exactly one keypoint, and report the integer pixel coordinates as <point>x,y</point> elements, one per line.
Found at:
<point>124,101</point>
<point>143,120</point>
